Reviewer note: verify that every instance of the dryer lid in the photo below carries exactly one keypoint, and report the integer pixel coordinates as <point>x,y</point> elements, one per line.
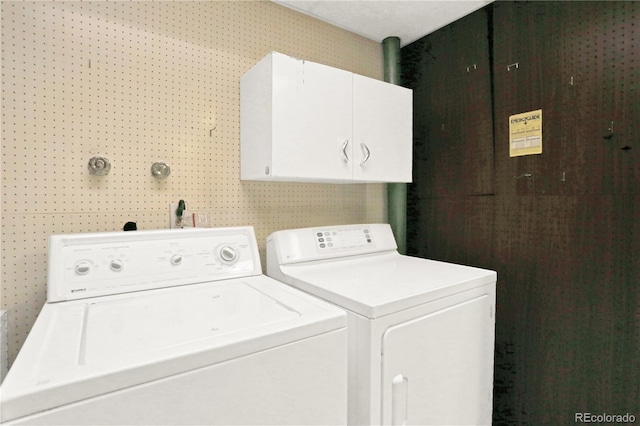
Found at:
<point>379,284</point>
<point>89,347</point>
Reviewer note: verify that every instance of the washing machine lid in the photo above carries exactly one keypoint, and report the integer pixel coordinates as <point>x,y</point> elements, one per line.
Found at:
<point>83,348</point>
<point>379,284</point>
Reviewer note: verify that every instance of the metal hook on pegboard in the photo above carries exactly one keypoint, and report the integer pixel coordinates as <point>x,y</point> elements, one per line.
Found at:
<point>610,130</point>
<point>527,175</point>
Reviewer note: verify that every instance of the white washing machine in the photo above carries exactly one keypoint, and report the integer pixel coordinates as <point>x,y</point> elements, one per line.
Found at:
<point>421,332</point>
<point>175,327</point>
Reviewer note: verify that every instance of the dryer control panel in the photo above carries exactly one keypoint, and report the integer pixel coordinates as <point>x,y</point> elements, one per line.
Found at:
<point>344,238</point>
<point>98,264</point>
<point>307,244</point>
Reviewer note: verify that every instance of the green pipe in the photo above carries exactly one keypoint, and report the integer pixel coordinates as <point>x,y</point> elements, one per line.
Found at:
<point>396,192</point>
<point>391,57</point>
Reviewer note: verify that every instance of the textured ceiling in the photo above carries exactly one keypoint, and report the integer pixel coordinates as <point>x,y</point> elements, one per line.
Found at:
<point>378,19</point>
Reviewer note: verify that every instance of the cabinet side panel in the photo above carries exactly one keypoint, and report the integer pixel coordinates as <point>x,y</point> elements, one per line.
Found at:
<point>256,87</point>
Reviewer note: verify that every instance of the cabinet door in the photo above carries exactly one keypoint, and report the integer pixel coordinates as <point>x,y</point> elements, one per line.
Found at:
<point>383,116</point>
<point>312,124</point>
<point>438,369</point>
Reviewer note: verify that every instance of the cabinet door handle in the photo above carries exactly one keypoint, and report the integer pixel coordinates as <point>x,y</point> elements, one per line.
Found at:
<point>366,152</point>
<point>399,400</point>
<point>345,156</point>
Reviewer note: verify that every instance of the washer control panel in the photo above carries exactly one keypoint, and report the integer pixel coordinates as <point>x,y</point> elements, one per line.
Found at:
<point>89,265</point>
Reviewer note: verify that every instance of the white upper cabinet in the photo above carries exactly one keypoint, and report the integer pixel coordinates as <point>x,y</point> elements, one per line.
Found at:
<point>307,122</point>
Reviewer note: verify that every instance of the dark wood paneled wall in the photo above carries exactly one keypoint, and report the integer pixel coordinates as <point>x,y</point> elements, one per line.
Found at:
<point>566,240</point>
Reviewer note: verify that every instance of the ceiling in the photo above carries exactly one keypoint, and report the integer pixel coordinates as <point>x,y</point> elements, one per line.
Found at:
<point>378,19</point>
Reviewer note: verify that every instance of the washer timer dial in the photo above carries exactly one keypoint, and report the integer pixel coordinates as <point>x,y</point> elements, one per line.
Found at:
<point>83,267</point>
<point>227,254</point>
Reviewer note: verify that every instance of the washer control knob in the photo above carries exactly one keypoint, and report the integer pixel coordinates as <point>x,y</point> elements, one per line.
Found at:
<point>116,265</point>
<point>83,267</point>
<point>176,259</point>
<point>228,254</point>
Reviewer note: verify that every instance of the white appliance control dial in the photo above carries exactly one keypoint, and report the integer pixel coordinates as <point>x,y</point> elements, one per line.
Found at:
<point>116,265</point>
<point>82,267</point>
<point>228,254</point>
<point>176,259</point>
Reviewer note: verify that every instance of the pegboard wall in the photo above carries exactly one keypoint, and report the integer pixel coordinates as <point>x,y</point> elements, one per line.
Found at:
<point>140,82</point>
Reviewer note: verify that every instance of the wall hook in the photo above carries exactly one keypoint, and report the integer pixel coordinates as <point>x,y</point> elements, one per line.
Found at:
<point>527,175</point>
<point>610,129</point>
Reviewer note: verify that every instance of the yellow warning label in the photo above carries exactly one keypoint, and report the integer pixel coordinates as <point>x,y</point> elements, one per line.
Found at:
<point>525,133</point>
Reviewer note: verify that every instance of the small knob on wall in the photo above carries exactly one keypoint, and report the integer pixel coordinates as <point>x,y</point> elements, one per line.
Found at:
<point>99,166</point>
<point>160,170</point>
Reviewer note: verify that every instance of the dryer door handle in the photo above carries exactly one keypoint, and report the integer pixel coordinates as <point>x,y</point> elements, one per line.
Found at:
<point>399,400</point>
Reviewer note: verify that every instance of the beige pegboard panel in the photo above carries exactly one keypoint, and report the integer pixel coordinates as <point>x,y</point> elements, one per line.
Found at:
<point>140,82</point>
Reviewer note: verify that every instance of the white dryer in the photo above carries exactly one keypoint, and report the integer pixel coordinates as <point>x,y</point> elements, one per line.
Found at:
<point>175,327</point>
<point>421,332</point>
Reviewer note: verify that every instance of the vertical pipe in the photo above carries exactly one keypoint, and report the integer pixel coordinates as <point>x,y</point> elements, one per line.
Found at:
<point>391,56</point>
<point>396,192</point>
